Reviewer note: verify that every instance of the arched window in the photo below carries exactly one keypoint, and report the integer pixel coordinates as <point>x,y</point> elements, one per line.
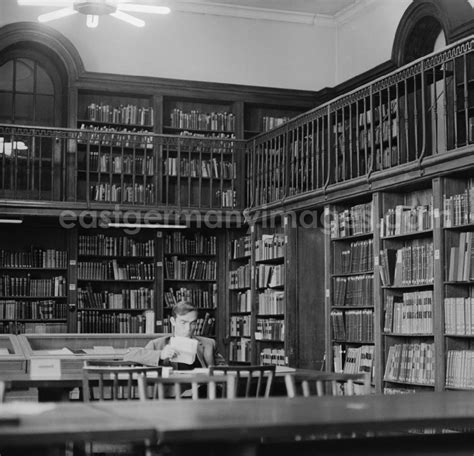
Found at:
<point>31,91</point>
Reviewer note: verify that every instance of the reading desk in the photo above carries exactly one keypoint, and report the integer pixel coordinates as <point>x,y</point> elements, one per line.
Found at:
<point>238,426</point>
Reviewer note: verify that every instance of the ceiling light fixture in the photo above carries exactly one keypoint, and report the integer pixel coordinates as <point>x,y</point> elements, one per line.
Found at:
<point>160,226</point>
<point>93,9</point>
<point>16,221</point>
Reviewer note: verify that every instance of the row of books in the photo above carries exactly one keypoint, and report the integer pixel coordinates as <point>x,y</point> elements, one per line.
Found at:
<point>353,221</point>
<point>240,350</point>
<point>213,146</point>
<point>128,193</point>
<point>197,120</point>
<point>34,258</point>
<point>17,327</point>
<point>26,286</point>
<point>202,299</point>
<point>406,219</point>
<point>461,259</point>
<point>354,290</point>
<point>214,169</point>
<point>240,248</point>
<point>409,265</point>
<point>352,325</point>
<point>111,270</point>
<point>359,257</point>
<point>271,302</point>
<point>122,164</point>
<point>270,275</point>
<point>459,316</point>
<point>242,302</point>
<point>354,360</point>
<point>32,310</point>
<point>176,269</point>
<point>270,122</point>
<point>273,357</point>
<point>190,244</point>
<point>226,198</point>
<point>460,369</point>
<point>384,111</point>
<point>270,329</point>
<point>240,277</point>
<point>102,245</point>
<point>115,137</point>
<point>459,209</point>
<point>410,314</point>
<point>140,298</point>
<point>240,326</point>
<point>270,246</point>
<point>383,133</point>
<point>387,157</point>
<point>122,114</point>
<point>94,321</point>
<point>411,363</point>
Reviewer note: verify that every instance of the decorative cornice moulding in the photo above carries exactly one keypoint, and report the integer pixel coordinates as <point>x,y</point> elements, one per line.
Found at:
<point>247,12</point>
<point>350,11</point>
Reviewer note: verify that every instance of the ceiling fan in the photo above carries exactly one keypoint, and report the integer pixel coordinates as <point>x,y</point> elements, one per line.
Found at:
<point>95,8</point>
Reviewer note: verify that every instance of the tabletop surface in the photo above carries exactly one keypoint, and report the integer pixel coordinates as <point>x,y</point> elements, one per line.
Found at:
<point>185,421</point>
<point>254,418</point>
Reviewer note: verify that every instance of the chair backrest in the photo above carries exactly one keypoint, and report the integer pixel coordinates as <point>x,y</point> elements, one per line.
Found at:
<point>251,381</point>
<point>326,384</point>
<point>199,386</point>
<point>113,380</point>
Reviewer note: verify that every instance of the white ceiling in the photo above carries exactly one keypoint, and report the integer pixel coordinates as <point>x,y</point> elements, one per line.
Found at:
<point>318,7</point>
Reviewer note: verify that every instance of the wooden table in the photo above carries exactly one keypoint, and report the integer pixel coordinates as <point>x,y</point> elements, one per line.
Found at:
<point>238,426</point>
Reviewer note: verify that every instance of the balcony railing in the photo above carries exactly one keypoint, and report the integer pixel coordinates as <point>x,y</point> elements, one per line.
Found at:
<point>423,109</point>
<point>109,167</point>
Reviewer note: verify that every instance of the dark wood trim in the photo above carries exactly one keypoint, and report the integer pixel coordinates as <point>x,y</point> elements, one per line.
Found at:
<point>329,93</point>
<point>180,88</point>
<point>45,39</point>
<point>449,14</point>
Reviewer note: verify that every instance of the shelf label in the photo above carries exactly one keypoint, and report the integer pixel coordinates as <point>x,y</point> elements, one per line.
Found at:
<point>159,322</point>
<point>258,336</point>
<point>159,264</point>
<point>72,262</point>
<point>436,254</point>
<point>326,210</point>
<point>376,261</point>
<point>45,368</point>
<point>436,212</point>
<point>159,234</point>
<point>252,228</point>
<point>327,293</point>
<point>287,360</point>
<point>72,287</point>
<point>285,221</point>
<point>286,239</point>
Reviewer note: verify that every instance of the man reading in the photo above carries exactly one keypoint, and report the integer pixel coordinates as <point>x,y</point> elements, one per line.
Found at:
<point>182,351</point>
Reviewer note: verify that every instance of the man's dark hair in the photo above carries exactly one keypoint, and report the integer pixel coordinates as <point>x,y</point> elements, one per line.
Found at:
<point>183,308</point>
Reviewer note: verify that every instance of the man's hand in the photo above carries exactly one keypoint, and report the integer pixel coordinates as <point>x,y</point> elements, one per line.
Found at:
<point>168,353</point>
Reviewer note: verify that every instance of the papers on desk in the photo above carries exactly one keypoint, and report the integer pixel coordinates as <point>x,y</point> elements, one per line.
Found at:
<point>16,408</point>
<point>186,348</point>
<point>284,369</point>
<point>4,351</point>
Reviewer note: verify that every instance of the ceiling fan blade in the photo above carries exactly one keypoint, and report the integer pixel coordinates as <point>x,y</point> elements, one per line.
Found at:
<point>57,14</point>
<point>128,18</point>
<point>59,3</point>
<point>138,8</point>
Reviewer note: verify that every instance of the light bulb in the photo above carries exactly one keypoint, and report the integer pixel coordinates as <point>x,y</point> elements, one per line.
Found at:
<point>92,20</point>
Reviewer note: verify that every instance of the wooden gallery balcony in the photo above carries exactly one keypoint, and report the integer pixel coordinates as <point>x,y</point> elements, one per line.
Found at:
<point>96,168</point>
<point>412,122</point>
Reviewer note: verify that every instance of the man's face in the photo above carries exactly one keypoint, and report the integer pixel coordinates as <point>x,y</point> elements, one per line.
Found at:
<point>184,325</point>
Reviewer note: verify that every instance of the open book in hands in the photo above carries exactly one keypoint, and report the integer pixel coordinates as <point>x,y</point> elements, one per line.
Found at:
<point>186,349</point>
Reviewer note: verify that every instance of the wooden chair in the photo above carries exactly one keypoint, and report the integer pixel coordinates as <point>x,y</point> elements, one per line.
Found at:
<point>113,380</point>
<point>250,381</point>
<point>186,386</point>
<point>326,384</point>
